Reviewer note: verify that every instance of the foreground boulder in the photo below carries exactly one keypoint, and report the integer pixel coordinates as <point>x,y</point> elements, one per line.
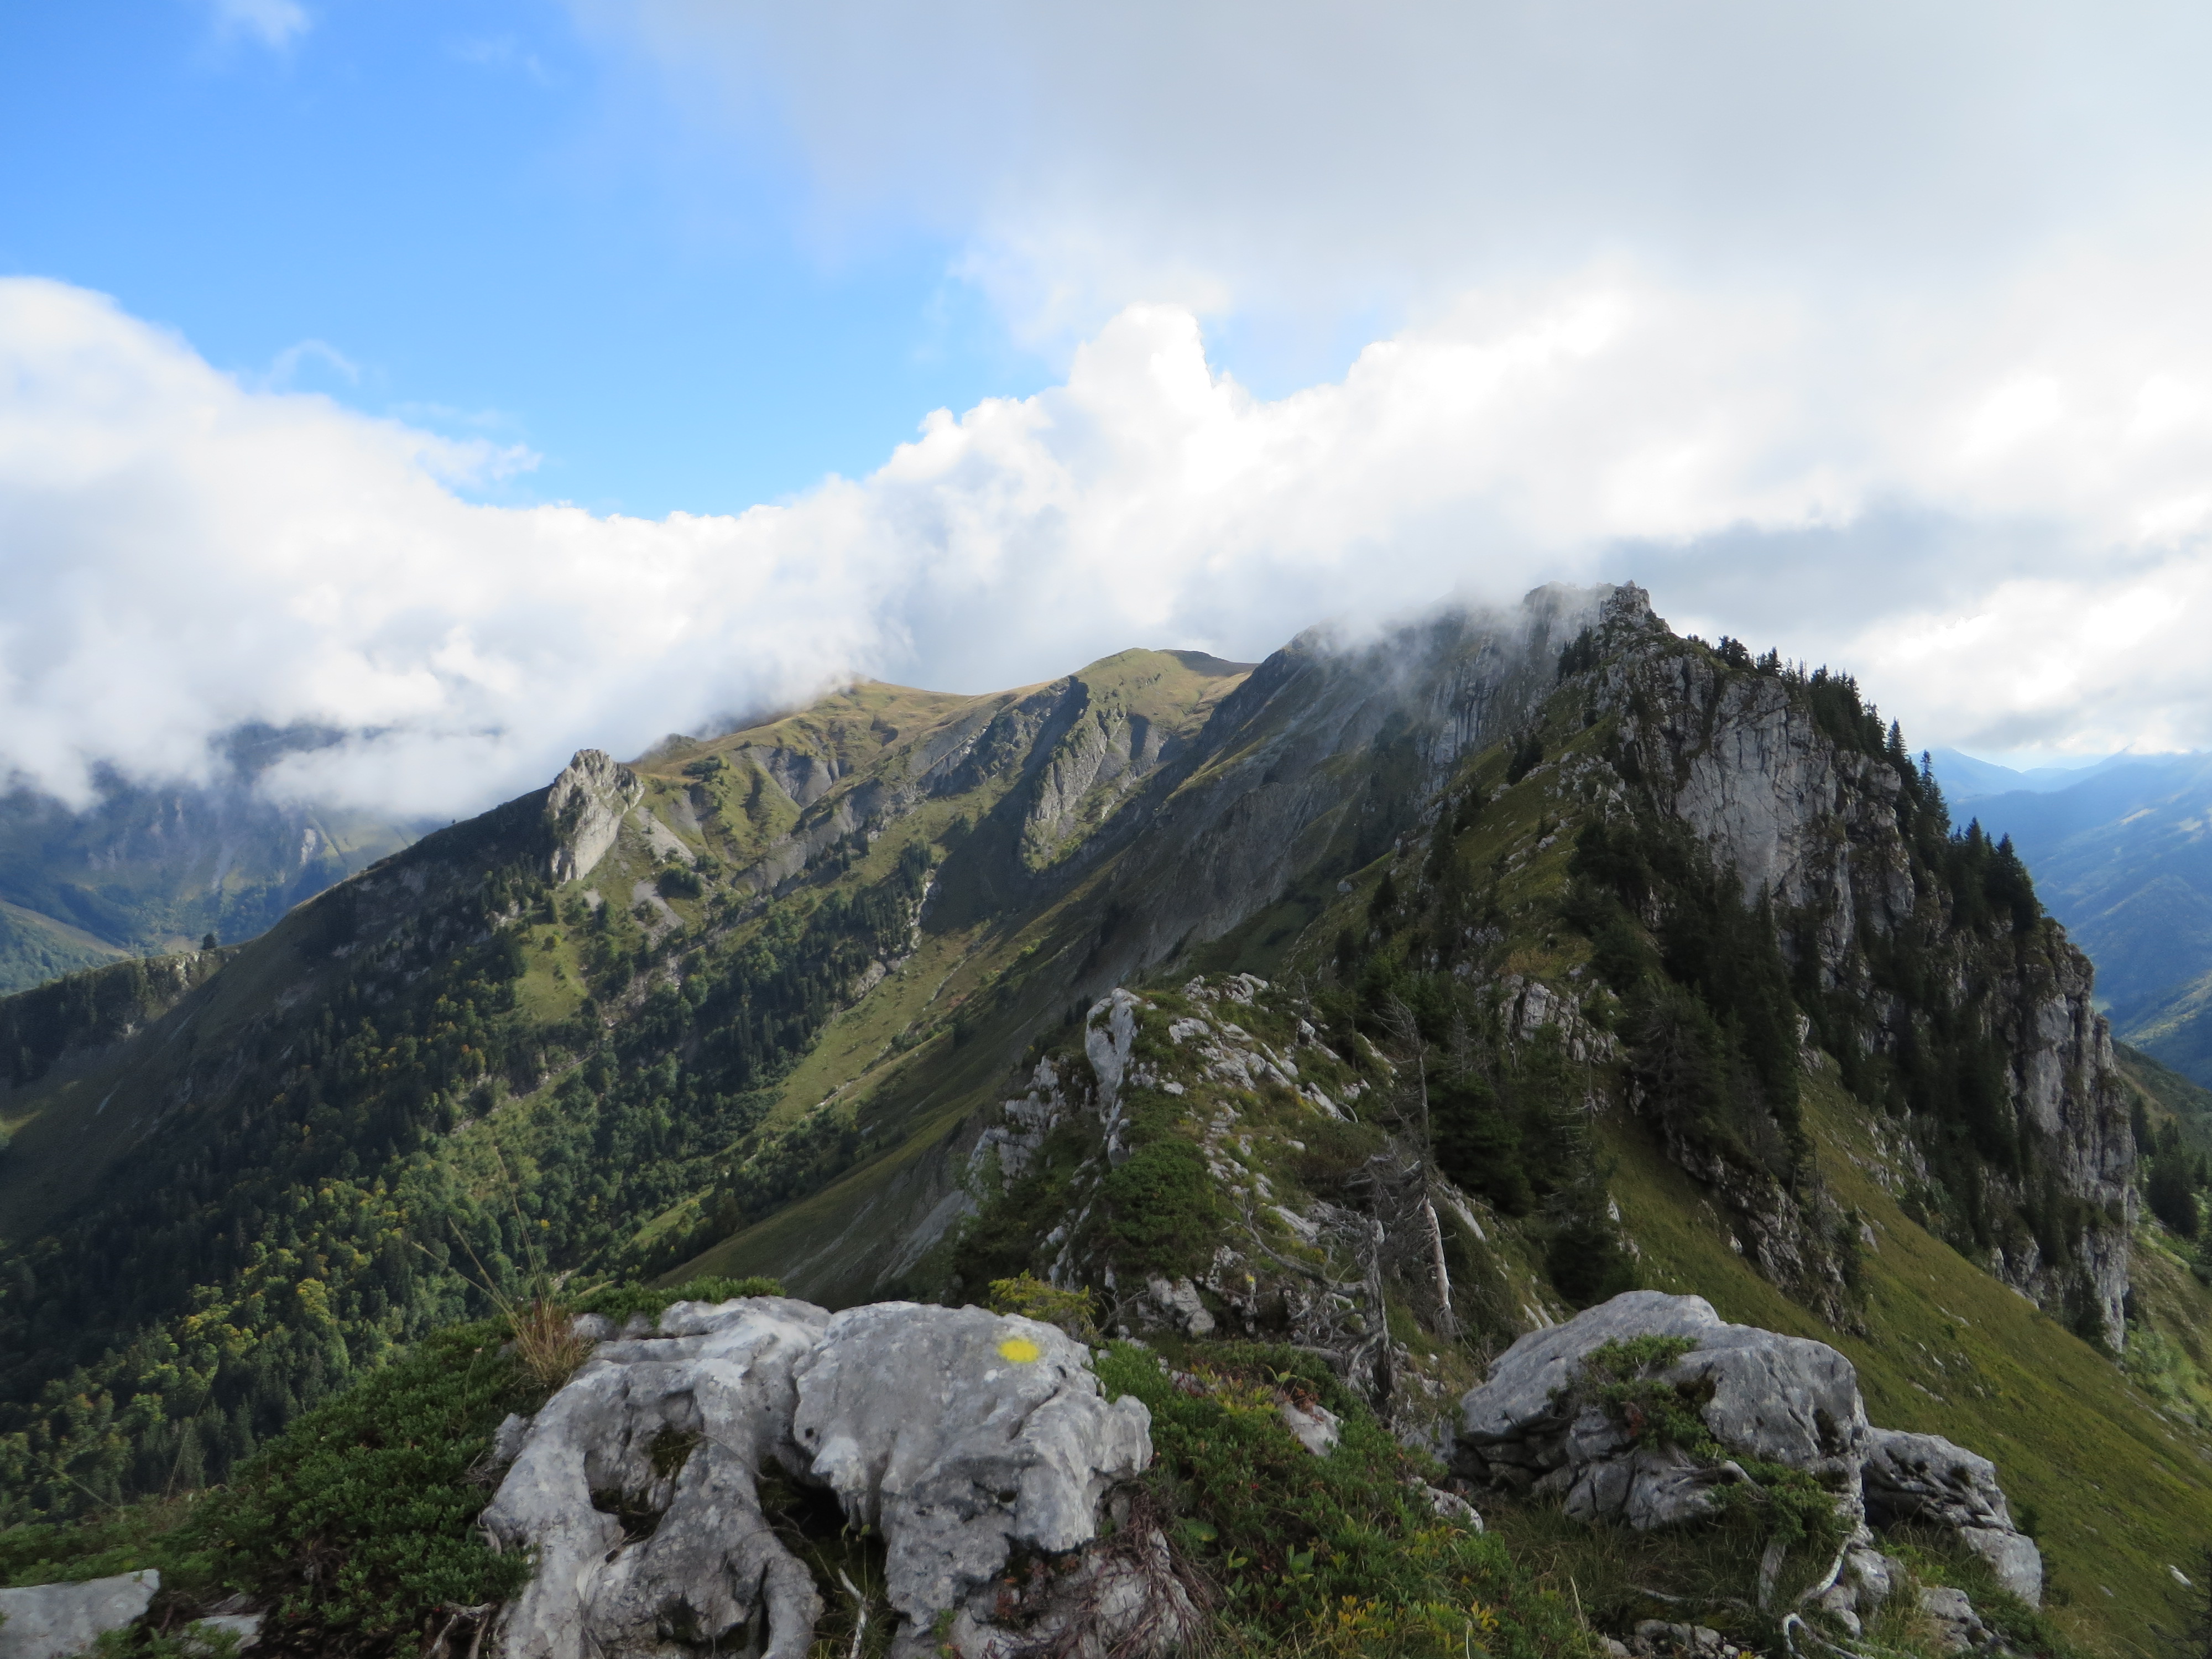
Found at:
<point>1925,1477</point>
<point>1637,1410</point>
<point>1541,1420</point>
<point>57,1621</point>
<point>956,1434</point>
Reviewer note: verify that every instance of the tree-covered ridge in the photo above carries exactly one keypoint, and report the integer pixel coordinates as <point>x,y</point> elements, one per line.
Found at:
<point>366,1182</point>
<point>481,1079</point>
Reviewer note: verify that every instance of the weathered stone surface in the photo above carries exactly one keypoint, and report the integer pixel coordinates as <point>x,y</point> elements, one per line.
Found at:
<point>677,1425</point>
<point>1957,1626</point>
<point>1121,1602</point>
<point>959,1434</point>
<point>585,809</point>
<point>1866,1579</point>
<point>1925,1477</point>
<point>1780,1399</point>
<point>1317,1428</point>
<point>954,1433</point>
<point>59,1621</point>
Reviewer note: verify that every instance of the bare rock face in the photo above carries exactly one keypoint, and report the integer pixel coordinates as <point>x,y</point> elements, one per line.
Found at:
<point>676,1425</point>
<point>954,1433</point>
<point>1925,1477</point>
<point>51,1621</point>
<point>1778,1399</point>
<point>1746,767</point>
<point>585,808</point>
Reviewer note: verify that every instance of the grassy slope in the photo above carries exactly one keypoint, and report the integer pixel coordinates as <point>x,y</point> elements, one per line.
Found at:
<point>2170,1094</point>
<point>892,1055</point>
<point>2122,1487</point>
<point>35,948</point>
<point>2122,1490</point>
<point>92,1107</point>
<point>2176,1029</point>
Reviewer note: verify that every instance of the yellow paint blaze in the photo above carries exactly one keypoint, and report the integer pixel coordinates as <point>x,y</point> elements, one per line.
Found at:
<point>1020,1349</point>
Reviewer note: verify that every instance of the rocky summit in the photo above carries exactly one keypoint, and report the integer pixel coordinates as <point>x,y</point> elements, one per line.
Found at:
<point>1530,1134</point>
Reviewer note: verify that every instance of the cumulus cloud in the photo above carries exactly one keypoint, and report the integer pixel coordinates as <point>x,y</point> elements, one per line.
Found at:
<point>2009,543</point>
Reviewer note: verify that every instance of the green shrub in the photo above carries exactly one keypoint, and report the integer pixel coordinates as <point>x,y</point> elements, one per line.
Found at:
<point>358,1519</point>
<point>1164,1209</point>
<point>1032,1299</point>
<point>619,1302</point>
<point>1342,1554</point>
<point>126,1540</point>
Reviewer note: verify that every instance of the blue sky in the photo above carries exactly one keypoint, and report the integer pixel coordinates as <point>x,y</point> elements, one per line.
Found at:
<point>498,226</point>
<point>486,380</point>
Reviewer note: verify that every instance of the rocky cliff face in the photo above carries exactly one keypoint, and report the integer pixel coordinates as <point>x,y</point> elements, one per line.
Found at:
<point>585,808</point>
<point>1741,759</point>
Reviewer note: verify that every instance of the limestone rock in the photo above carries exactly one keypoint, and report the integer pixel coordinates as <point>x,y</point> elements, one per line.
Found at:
<point>59,1621</point>
<point>1925,1477</point>
<point>1779,1399</point>
<point>1866,1579</point>
<point>959,1434</point>
<point>1180,1303</point>
<point>1121,1602</point>
<point>1317,1428</point>
<point>676,1426</point>
<point>1957,1626</point>
<point>954,1433</point>
<point>1816,827</point>
<point>585,809</point>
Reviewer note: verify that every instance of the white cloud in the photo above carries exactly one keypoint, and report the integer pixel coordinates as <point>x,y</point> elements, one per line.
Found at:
<point>185,554</point>
<point>1269,155</point>
<point>275,23</point>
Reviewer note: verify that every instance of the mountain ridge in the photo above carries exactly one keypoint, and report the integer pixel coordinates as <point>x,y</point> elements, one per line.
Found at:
<point>755,1001</point>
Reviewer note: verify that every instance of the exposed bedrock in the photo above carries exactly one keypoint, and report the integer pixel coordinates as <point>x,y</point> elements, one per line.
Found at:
<point>1552,1418</point>
<point>585,808</point>
<point>956,1434</point>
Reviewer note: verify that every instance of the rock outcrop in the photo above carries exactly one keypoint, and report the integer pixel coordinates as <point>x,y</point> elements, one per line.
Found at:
<point>955,1434</point>
<point>1542,1421</point>
<point>1776,1399</point>
<point>1925,1477</point>
<point>585,808</point>
<point>59,1621</point>
<point>1741,758</point>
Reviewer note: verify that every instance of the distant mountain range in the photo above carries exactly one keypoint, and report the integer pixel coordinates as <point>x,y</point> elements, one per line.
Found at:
<point>145,870</point>
<point>2122,853</point>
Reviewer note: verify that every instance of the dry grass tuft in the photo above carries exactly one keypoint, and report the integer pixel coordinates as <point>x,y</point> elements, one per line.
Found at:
<point>546,1345</point>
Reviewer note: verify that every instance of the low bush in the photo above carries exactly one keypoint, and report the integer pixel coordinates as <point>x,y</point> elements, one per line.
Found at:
<point>619,1302</point>
<point>1343,1554</point>
<point>1031,1298</point>
<point>357,1522</point>
<point>1164,1209</point>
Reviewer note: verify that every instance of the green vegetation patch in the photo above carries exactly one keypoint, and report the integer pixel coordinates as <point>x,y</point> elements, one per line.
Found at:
<point>1342,1554</point>
<point>358,1520</point>
<point>1164,1208</point>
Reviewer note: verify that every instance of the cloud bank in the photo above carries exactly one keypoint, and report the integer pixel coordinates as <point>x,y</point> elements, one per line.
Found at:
<point>1243,156</point>
<point>1999,521</point>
